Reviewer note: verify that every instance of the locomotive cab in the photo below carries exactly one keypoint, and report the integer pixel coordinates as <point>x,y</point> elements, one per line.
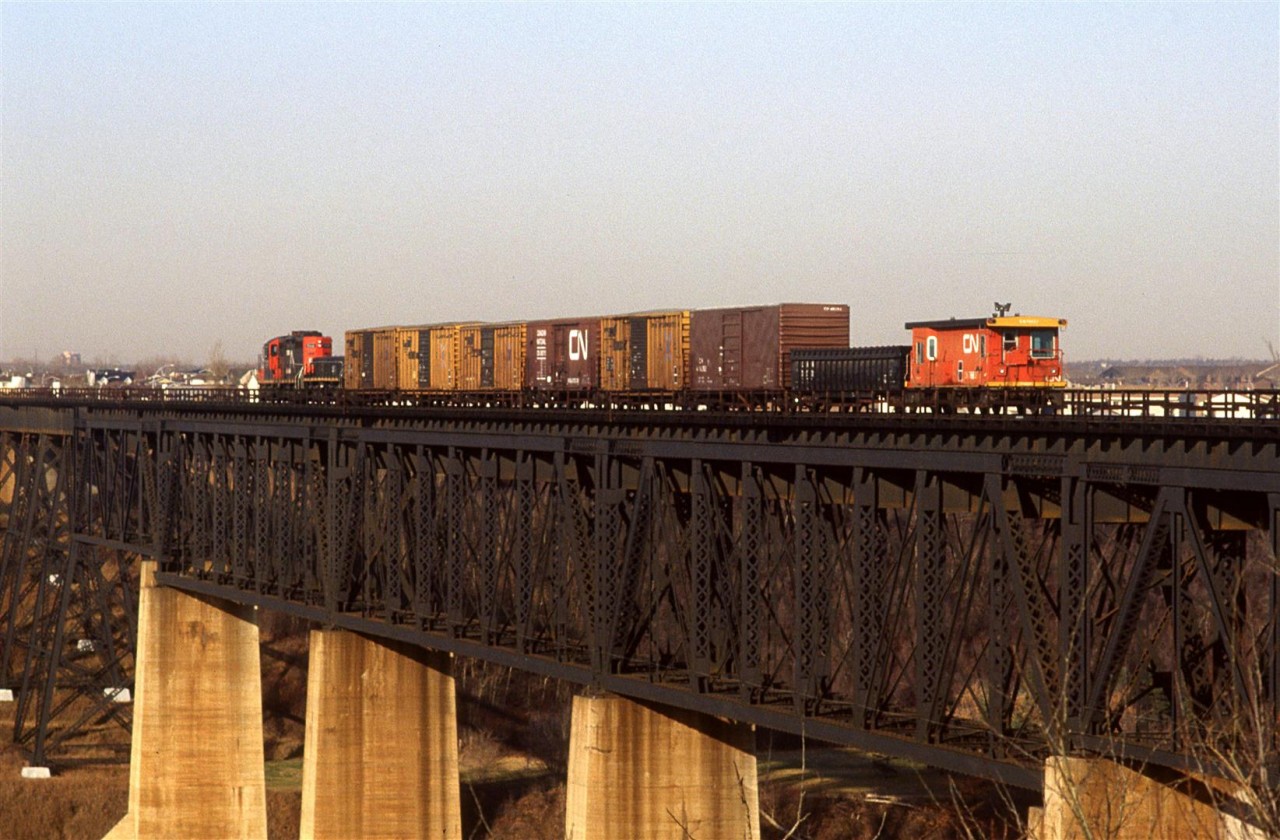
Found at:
<point>1004,351</point>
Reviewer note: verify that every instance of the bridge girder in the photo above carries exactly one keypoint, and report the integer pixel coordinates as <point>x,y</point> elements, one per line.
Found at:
<point>971,596</point>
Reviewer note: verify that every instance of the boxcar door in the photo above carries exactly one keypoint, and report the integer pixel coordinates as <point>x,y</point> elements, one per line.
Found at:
<point>639,354</point>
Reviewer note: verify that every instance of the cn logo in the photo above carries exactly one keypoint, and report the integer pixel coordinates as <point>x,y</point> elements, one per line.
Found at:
<point>970,343</point>
<point>577,345</point>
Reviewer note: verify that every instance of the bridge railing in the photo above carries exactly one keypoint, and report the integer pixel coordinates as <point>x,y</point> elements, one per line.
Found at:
<point>1142,403</point>
<point>1151,403</point>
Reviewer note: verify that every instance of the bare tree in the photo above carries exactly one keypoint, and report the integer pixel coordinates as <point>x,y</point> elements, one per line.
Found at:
<point>218,366</point>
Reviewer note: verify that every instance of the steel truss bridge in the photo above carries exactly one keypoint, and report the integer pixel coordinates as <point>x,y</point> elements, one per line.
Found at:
<point>969,592</point>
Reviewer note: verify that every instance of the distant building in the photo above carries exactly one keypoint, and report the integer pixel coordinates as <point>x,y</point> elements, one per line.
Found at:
<point>110,376</point>
<point>70,359</point>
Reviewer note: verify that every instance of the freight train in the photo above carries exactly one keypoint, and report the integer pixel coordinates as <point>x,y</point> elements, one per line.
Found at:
<point>755,356</point>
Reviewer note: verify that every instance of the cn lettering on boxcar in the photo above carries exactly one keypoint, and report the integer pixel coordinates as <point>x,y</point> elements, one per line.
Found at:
<point>579,346</point>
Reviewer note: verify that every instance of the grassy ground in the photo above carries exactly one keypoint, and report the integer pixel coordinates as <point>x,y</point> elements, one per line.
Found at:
<point>82,803</point>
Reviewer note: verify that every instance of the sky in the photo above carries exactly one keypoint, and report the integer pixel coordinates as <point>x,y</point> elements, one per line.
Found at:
<point>176,178</point>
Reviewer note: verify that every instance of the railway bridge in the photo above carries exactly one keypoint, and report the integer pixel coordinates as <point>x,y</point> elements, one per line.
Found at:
<point>1030,599</point>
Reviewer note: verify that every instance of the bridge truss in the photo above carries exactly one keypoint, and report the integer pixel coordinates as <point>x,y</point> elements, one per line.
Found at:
<point>973,593</point>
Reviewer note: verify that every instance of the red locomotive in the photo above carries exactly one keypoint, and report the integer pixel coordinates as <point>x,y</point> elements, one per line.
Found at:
<point>301,357</point>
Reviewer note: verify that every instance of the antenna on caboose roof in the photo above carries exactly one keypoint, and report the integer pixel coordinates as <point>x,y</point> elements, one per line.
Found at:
<point>1002,309</point>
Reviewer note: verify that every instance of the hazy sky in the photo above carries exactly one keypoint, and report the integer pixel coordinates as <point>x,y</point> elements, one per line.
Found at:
<point>178,175</point>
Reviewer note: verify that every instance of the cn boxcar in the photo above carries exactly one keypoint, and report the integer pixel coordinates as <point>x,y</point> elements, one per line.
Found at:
<point>749,348</point>
<point>562,355</point>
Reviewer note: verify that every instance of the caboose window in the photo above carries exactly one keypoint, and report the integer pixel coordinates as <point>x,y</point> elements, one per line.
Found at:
<point>1042,342</point>
<point>919,352</point>
<point>960,370</point>
<point>1010,341</point>
<point>931,347</point>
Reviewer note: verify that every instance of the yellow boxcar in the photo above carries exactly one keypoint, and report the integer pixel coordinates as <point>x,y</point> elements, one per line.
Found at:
<point>427,357</point>
<point>407,356</point>
<point>615,354</point>
<point>384,359</point>
<point>445,347</point>
<point>370,362</point>
<point>353,364</point>
<point>491,357</point>
<point>645,351</point>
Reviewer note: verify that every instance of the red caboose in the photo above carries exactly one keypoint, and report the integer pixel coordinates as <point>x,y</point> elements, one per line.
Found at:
<point>289,359</point>
<point>1013,351</point>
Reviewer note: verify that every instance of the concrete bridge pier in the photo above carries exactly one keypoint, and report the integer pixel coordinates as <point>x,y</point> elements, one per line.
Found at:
<point>380,758</point>
<point>645,772</point>
<point>1099,799</point>
<point>196,760</point>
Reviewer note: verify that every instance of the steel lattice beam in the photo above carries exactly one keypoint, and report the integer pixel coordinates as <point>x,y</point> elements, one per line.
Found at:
<point>967,595</point>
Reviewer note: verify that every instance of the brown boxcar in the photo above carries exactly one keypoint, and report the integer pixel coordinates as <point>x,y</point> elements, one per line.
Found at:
<point>645,351</point>
<point>562,355</point>
<point>748,348</point>
<point>491,357</point>
<point>427,357</point>
<point>372,352</point>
